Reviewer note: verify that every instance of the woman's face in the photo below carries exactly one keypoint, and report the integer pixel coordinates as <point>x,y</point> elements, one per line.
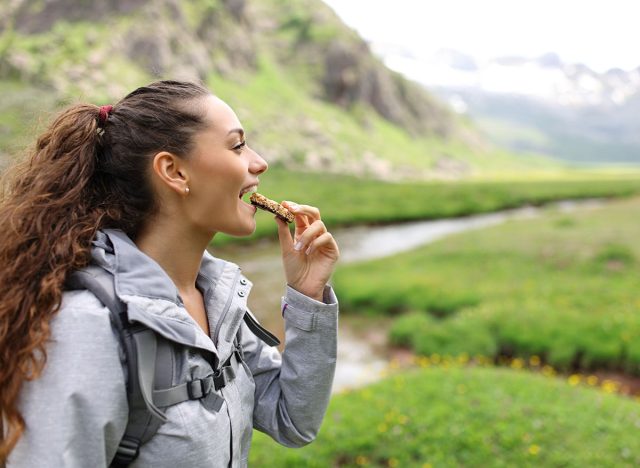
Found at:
<point>222,168</point>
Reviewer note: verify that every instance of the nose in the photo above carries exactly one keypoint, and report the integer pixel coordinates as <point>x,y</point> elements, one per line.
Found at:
<point>258,165</point>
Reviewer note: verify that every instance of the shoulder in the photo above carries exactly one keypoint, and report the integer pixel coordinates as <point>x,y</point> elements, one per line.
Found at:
<point>81,392</point>
<point>83,323</point>
<point>84,309</point>
<point>82,299</point>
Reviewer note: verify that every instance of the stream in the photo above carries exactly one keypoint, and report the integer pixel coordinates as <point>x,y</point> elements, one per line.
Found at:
<point>362,357</point>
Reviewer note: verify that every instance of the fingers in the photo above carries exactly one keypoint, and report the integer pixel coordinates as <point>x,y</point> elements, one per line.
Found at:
<point>324,240</point>
<point>284,235</point>
<point>305,215</point>
<point>314,230</point>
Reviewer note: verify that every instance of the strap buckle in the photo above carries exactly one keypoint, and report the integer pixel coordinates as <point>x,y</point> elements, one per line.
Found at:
<point>127,451</point>
<point>200,388</point>
<point>223,376</point>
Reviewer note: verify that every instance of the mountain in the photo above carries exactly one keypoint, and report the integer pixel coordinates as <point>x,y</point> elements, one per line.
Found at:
<point>540,104</point>
<point>307,88</point>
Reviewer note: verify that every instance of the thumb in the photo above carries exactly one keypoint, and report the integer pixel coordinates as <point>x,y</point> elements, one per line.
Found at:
<point>284,234</point>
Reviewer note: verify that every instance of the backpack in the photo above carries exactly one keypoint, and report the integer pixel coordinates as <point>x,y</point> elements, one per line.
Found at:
<point>149,358</point>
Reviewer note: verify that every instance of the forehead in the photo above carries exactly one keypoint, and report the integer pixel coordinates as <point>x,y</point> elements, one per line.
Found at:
<point>220,116</point>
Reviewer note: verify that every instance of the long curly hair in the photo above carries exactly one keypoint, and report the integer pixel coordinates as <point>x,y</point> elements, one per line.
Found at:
<point>83,175</point>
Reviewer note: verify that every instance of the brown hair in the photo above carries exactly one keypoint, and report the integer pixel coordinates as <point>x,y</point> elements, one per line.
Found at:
<point>82,175</point>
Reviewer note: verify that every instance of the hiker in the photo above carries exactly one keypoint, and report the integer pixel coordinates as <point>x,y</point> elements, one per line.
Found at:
<point>123,342</point>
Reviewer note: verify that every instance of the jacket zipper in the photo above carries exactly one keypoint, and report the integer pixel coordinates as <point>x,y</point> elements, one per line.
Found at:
<point>226,307</point>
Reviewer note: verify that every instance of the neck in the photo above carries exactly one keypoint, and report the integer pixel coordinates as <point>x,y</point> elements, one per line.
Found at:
<point>176,249</point>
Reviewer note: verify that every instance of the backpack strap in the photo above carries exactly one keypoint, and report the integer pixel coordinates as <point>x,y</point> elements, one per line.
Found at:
<point>140,345</point>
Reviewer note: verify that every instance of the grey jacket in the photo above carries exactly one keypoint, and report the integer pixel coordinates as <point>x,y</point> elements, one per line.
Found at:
<point>76,412</point>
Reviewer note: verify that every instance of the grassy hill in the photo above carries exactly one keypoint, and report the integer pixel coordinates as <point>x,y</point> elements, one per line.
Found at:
<point>307,88</point>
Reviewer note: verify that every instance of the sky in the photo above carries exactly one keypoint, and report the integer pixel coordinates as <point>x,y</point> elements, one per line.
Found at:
<point>602,34</point>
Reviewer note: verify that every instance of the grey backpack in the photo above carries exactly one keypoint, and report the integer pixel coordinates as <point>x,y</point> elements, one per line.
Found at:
<point>149,357</point>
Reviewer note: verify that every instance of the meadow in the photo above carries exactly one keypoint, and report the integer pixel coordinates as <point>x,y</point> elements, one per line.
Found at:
<point>554,299</point>
<point>562,287</point>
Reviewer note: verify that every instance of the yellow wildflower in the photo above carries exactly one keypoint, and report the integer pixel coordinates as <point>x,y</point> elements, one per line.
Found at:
<point>361,460</point>
<point>393,462</point>
<point>534,449</point>
<point>517,363</point>
<point>548,371</point>
<point>592,380</point>
<point>534,361</point>
<point>574,379</point>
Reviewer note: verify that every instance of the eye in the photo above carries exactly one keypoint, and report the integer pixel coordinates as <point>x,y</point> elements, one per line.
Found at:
<point>240,145</point>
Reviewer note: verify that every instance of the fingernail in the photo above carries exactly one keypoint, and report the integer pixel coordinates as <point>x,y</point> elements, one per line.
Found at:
<point>298,246</point>
<point>308,250</point>
<point>292,206</point>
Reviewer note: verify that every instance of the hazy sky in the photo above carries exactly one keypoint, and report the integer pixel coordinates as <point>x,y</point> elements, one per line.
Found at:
<point>599,33</point>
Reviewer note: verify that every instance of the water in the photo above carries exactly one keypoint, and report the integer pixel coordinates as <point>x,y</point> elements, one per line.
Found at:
<point>360,361</point>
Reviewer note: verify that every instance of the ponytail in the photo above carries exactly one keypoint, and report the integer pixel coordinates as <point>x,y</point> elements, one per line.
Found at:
<point>47,228</point>
<point>85,173</point>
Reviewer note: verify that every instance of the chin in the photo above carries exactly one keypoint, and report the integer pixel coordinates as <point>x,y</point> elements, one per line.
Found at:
<point>241,231</point>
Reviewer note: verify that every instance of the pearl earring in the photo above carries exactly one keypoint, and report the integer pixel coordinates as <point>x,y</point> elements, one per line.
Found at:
<point>186,190</point>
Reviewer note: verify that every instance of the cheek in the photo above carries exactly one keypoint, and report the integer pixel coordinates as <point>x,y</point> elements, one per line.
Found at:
<point>222,191</point>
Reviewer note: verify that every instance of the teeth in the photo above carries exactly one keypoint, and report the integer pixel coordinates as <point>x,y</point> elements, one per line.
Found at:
<point>253,188</point>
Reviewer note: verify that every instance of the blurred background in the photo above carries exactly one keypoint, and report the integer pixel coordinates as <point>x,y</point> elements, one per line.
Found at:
<point>478,163</point>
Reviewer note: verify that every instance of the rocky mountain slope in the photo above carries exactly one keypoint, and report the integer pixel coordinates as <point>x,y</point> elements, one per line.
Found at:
<point>305,85</point>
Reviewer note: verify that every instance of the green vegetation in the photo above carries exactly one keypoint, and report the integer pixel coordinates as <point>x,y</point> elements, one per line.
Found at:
<point>348,200</point>
<point>563,287</point>
<point>468,416</point>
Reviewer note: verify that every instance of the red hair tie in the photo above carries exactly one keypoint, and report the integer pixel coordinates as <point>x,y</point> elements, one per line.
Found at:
<point>104,114</point>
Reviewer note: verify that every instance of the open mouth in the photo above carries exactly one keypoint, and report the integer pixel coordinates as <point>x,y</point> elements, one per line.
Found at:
<point>246,190</point>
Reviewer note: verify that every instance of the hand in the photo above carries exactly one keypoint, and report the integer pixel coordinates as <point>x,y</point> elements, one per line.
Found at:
<point>310,255</point>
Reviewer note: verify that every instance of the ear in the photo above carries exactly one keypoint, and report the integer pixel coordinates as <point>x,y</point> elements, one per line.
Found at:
<point>170,172</point>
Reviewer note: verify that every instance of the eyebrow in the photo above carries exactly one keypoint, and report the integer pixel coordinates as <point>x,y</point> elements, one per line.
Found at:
<point>236,130</point>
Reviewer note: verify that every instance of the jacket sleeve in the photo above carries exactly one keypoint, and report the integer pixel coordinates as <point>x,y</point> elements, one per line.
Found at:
<point>292,391</point>
<point>76,411</point>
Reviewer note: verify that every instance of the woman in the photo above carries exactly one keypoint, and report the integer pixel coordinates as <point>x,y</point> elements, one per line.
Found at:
<point>138,190</point>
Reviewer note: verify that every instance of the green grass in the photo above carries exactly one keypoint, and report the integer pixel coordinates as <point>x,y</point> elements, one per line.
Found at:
<point>347,200</point>
<point>563,287</point>
<point>468,416</point>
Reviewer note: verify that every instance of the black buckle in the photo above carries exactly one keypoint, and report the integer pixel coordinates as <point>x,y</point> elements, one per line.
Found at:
<point>223,376</point>
<point>128,450</point>
<point>219,379</point>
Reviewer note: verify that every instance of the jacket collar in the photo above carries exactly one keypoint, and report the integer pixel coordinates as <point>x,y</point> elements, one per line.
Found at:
<point>151,296</point>
<point>137,274</point>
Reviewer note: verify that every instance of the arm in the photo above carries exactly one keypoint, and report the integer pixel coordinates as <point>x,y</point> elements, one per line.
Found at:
<point>290,403</point>
<point>76,411</point>
<point>292,391</point>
